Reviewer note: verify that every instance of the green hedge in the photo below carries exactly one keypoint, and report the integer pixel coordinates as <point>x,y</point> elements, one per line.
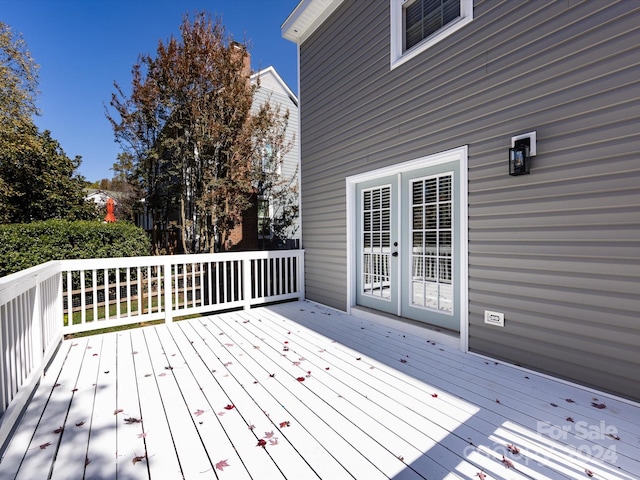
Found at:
<point>29,244</point>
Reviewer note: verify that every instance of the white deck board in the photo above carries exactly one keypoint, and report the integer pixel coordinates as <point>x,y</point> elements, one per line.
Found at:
<point>374,402</point>
<point>524,403</point>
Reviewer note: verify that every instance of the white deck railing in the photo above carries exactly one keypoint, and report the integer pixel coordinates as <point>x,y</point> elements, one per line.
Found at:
<point>40,305</point>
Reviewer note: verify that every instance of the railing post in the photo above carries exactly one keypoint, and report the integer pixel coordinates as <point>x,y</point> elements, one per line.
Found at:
<point>168,292</point>
<point>36,325</point>
<point>301,283</point>
<point>246,282</point>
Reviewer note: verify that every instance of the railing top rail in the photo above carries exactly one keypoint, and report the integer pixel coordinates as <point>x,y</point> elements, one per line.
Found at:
<point>99,263</point>
<point>16,283</point>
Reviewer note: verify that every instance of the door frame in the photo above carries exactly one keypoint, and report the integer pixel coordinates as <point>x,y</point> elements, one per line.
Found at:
<point>460,155</point>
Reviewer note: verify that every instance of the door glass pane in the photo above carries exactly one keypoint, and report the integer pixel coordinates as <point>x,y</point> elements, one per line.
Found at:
<point>432,262</point>
<point>376,242</point>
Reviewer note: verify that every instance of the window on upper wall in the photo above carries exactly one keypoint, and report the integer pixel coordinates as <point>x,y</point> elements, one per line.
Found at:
<point>417,25</point>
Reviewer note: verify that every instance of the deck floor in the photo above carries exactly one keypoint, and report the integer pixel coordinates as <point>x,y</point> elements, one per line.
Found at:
<point>300,391</point>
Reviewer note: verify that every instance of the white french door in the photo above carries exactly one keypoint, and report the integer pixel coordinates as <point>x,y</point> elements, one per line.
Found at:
<point>408,244</point>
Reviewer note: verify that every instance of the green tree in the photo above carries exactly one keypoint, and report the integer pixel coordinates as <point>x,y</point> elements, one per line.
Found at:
<point>189,129</point>
<point>37,179</point>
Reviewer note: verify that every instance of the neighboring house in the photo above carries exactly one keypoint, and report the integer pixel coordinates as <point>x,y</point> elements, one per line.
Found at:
<point>248,235</point>
<point>274,90</point>
<point>408,111</point>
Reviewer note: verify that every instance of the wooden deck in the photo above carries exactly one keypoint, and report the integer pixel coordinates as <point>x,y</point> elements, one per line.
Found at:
<point>300,391</point>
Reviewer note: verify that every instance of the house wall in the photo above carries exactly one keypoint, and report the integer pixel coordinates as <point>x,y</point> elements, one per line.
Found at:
<point>558,251</point>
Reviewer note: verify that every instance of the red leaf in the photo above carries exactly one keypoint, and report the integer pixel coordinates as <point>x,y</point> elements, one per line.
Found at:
<point>117,411</point>
<point>285,424</point>
<point>261,443</point>
<point>359,358</point>
<point>434,395</point>
<point>588,472</point>
<point>221,464</point>
<point>326,368</point>
<point>300,379</point>
<point>513,449</point>
<point>507,463</point>
<point>230,407</point>
<point>273,441</point>
<point>59,430</point>
<point>79,424</point>
<point>481,475</point>
<point>44,445</point>
<point>198,412</point>
<point>137,459</point>
<point>598,405</point>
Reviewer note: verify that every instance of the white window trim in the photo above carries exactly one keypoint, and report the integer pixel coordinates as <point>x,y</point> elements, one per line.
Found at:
<point>398,57</point>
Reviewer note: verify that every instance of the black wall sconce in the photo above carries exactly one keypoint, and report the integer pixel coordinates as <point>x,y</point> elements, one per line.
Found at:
<point>523,147</point>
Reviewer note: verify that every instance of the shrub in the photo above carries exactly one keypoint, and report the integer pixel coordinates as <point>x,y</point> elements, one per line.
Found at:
<point>28,244</point>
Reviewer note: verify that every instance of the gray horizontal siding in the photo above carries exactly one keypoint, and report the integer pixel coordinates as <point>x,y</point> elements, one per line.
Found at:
<point>557,251</point>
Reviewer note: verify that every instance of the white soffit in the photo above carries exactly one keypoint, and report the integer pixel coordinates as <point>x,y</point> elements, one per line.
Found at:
<point>307,16</point>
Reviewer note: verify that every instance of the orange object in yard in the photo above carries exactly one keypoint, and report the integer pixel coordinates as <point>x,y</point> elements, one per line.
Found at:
<point>110,218</point>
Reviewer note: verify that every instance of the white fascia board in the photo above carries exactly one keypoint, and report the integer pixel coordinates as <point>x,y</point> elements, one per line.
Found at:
<point>306,18</point>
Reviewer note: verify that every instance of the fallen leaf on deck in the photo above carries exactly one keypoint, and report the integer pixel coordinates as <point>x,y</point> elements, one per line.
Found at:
<point>132,420</point>
<point>507,463</point>
<point>273,441</point>
<point>252,427</point>
<point>272,375</point>
<point>588,472</point>
<point>481,475</point>
<point>569,419</point>
<point>137,459</point>
<point>117,411</point>
<point>402,360</point>
<point>86,461</point>
<point>227,364</point>
<point>359,358</point>
<point>513,449</point>
<point>326,368</point>
<point>497,401</point>
<point>230,407</point>
<point>79,424</point>
<point>268,435</point>
<point>198,412</point>
<point>221,464</point>
<point>611,435</point>
<point>568,400</point>
<point>45,445</point>
<point>598,405</point>
<point>59,430</point>
<point>296,364</point>
<point>554,405</point>
<point>261,443</point>
<point>434,395</point>
<point>300,379</point>
<point>142,435</point>
<point>285,424</point>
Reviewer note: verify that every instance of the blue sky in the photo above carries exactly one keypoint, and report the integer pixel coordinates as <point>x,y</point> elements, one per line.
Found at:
<point>83,46</point>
